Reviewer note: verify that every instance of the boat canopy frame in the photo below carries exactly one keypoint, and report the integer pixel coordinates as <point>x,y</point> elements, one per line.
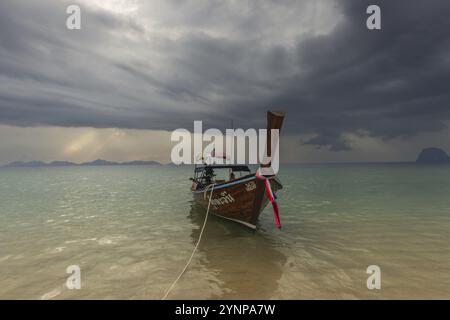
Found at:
<point>204,173</point>
<point>234,168</point>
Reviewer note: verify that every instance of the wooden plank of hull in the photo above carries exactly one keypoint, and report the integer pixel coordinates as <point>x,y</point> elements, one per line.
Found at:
<point>236,200</point>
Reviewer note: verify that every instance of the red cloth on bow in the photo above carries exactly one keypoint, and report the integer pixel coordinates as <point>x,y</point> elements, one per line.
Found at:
<point>271,197</point>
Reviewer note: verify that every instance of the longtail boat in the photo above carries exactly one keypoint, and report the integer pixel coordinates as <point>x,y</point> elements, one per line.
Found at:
<point>238,195</point>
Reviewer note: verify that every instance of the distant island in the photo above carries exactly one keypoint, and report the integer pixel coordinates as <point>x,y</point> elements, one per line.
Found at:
<point>98,162</point>
<point>433,156</point>
<point>426,156</point>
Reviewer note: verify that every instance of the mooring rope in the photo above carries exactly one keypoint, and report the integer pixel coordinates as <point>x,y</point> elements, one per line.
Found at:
<point>196,246</point>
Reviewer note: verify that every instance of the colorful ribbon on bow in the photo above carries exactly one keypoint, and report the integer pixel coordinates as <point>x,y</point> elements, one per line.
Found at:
<point>272,197</point>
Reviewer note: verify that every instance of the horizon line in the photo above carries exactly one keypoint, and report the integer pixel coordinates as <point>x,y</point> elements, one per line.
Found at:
<point>155,162</point>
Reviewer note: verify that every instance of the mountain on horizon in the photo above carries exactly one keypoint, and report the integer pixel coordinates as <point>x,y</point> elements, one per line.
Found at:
<point>433,156</point>
<point>430,155</point>
<point>98,162</point>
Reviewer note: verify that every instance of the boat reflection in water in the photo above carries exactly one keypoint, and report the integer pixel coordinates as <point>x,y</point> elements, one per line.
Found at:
<point>244,264</point>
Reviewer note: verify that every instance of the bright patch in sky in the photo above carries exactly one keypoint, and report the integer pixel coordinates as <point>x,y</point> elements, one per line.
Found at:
<point>123,7</point>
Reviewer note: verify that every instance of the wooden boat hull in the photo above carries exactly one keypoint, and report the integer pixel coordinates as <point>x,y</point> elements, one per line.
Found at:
<point>240,200</point>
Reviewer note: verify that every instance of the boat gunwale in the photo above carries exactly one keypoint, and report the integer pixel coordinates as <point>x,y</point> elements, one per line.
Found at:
<point>246,178</point>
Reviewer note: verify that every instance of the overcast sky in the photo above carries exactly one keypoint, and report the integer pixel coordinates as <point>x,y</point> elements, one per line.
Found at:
<point>139,68</point>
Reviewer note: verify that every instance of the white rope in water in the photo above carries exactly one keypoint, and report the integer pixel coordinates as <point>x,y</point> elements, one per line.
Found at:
<point>196,246</point>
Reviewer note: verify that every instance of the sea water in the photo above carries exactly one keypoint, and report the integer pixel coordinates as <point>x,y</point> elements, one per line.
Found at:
<point>131,230</point>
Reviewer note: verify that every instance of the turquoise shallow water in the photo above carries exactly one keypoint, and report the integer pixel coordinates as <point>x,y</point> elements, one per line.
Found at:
<point>131,230</point>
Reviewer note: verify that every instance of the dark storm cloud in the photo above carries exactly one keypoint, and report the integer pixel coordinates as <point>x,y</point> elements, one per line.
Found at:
<point>388,84</point>
<point>119,72</point>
